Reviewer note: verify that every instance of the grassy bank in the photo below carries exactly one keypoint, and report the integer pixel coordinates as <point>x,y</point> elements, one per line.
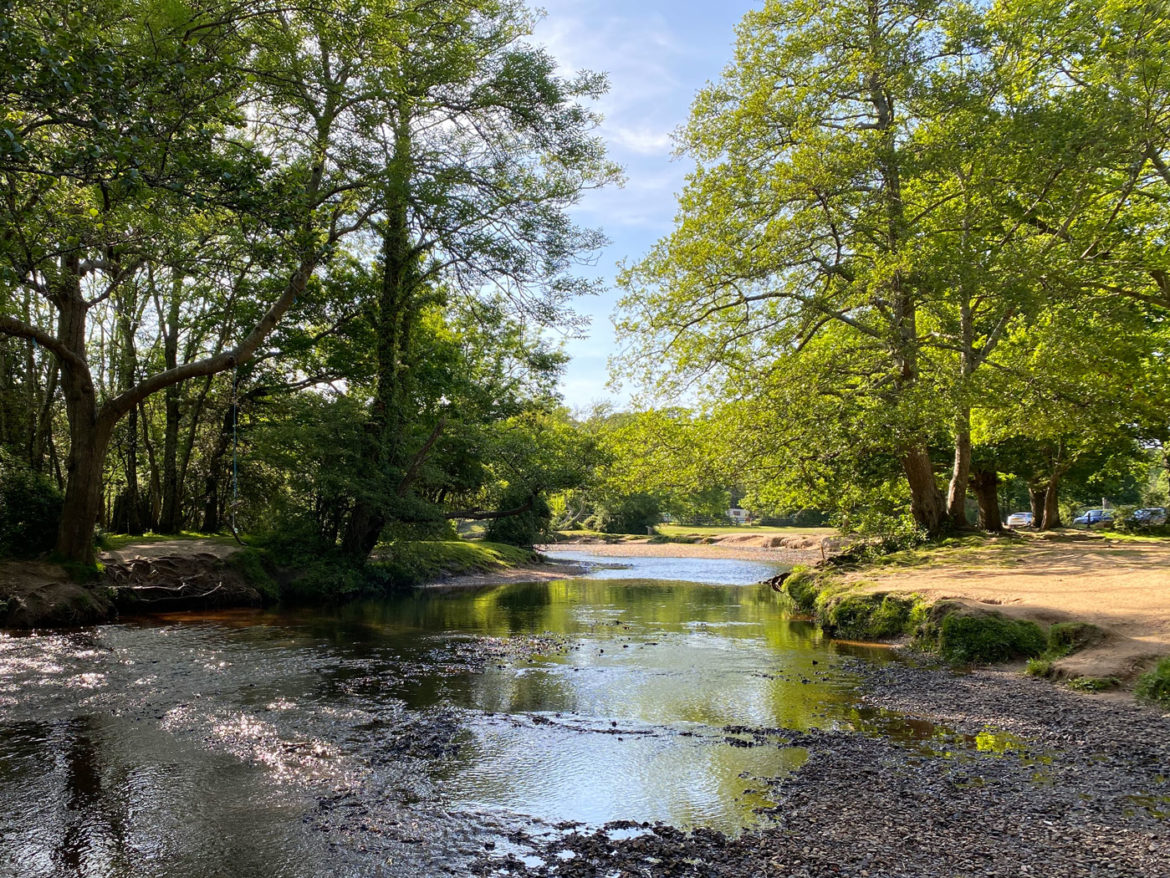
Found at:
<point>955,632</point>
<point>394,567</point>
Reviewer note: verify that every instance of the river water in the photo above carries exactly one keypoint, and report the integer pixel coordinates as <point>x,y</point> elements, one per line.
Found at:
<point>405,736</point>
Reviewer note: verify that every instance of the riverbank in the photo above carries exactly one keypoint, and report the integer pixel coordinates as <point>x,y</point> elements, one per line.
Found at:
<point>1089,609</point>
<point>152,575</point>
<point>769,548</point>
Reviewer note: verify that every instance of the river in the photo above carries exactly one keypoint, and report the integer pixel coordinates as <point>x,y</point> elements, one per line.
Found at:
<point>407,736</point>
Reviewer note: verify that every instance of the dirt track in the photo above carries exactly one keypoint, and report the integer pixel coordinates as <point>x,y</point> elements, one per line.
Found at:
<point>1123,587</point>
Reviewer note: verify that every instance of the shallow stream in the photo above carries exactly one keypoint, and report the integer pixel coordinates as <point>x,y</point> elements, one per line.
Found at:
<point>404,736</point>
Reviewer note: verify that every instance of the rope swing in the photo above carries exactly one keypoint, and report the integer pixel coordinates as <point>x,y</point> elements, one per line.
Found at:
<point>235,454</point>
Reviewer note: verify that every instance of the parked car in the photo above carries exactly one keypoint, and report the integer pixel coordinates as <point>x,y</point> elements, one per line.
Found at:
<point>1020,519</point>
<point>1151,516</point>
<point>1090,517</point>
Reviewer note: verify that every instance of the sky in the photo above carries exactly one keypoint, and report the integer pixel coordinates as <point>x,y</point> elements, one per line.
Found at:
<point>657,54</point>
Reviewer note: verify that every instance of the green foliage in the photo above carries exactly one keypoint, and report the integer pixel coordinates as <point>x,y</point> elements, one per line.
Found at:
<point>803,585</point>
<point>988,637</point>
<point>1039,667</point>
<point>869,616</point>
<point>258,570</point>
<point>524,528</point>
<point>1154,686</point>
<point>1093,684</point>
<point>636,513</point>
<point>1065,638</point>
<point>30,510</point>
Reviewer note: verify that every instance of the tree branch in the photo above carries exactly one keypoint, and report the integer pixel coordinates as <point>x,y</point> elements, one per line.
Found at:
<point>12,326</point>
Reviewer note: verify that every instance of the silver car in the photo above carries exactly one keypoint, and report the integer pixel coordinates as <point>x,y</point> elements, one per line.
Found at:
<point>1020,519</point>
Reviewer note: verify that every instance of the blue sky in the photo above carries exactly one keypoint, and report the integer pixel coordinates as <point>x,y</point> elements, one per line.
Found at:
<point>657,54</point>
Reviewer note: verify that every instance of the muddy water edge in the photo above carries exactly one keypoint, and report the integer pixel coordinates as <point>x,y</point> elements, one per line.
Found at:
<point>659,718</point>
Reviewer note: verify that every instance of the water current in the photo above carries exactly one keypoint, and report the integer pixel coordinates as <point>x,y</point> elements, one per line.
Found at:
<point>403,736</point>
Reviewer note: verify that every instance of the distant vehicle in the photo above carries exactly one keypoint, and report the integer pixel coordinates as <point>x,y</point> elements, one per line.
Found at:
<point>1090,517</point>
<point>1020,519</point>
<point>1151,516</point>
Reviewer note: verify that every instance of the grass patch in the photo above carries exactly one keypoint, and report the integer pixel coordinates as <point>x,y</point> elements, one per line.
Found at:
<point>1065,638</point>
<point>1155,685</point>
<point>988,637</point>
<point>1039,667</point>
<point>415,562</point>
<point>1093,684</point>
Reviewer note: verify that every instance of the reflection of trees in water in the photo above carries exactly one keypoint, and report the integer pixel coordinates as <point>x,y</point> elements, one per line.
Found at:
<point>96,816</point>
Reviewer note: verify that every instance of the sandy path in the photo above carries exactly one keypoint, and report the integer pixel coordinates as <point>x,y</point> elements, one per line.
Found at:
<point>180,548</point>
<point>730,550</point>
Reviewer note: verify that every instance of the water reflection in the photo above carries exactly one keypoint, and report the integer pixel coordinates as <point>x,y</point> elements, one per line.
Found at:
<point>196,743</point>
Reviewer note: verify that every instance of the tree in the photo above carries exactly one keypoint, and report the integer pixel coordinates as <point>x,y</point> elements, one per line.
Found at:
<point>130,108</point>
<point>484,150</point>
<point>806,211</point>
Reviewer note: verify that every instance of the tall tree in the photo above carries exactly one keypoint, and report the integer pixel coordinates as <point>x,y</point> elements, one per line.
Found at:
<point>116,107</point>
<point>484,149</point>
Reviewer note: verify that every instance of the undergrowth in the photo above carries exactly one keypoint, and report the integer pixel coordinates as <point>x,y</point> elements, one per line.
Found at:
<point>329,576</point>
<point>1155,685</point>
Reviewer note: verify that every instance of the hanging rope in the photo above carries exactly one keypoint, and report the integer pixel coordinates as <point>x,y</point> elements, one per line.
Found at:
<point>235,453</point>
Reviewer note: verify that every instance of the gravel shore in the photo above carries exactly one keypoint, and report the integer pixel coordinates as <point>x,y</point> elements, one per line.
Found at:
<point>979,775</point>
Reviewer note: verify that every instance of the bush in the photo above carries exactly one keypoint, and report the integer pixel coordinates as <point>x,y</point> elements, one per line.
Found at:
<point>632,514</point>
<point>1155,686</point>
<point>525,528</point>
<point>30,511</point>
<point>990,637</point>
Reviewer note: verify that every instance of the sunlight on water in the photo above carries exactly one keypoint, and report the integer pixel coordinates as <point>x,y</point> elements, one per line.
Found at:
<point>277,742</point>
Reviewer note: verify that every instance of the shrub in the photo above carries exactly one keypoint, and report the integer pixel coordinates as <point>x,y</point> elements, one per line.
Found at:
<point>990,637</point>
<point>525,528</point>
<point>1039,667</point>
<point>1155,686</point>
<point>30,511</point>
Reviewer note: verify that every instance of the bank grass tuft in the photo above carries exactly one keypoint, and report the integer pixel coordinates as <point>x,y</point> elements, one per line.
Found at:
<point>1065,638</point>
<point>1093,684</point>
<point>1155,685</point>
<point>1039,667</point>
<point>978,638</point>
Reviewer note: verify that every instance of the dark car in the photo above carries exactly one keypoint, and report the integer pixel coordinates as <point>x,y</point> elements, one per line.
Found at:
<point>1150,516</point>
<point>1091,517</point>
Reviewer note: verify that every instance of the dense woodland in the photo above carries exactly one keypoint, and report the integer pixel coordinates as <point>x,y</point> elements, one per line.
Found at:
<point>300,271</point>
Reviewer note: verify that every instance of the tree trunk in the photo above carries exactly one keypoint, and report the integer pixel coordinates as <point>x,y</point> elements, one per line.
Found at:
<point>1052,504</point>
<point>927,504</point>
<point>88,437</point>
<point>985,486</point>
<point>1036,502</point>
<point>384,454</point>
<point>960,471</point>
<point>133,518</point>
<point>211,505</point>
<point>169,520</point>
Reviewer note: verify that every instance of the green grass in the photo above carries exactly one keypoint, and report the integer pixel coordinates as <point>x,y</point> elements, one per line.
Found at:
<point>1155,685</point>
<point>422,561</point>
